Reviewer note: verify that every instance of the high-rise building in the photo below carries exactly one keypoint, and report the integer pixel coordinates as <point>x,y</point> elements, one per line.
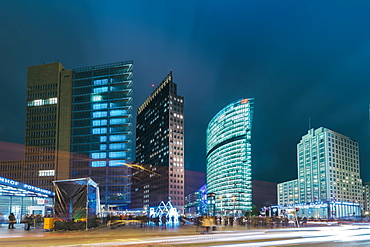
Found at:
<point>328,176</point>
<point>101,129</point>
<point>79,124</point>
<point>158,174</point>
<point>47,134</point>
<point>229,157</point>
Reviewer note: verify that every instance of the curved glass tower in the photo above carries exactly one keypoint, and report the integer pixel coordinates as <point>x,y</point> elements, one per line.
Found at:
<point>229,157</point>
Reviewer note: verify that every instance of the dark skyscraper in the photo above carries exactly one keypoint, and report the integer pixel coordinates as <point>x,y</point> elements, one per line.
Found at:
<point>79,124</point>
<point>159,172</point>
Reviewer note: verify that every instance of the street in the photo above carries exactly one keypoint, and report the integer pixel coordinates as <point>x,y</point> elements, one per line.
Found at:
<point>345,235</point>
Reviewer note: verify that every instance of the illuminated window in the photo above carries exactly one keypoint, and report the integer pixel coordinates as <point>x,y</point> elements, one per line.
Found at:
<point>117,138</point>
<point>98,155</point>
<point>46,173</point>
<point>98,163</point>
<point>100,106</point>
<point>101,82</point>
<point>99,114</point>
<point>96,98</point>
<point>100,90</point>
<point>117,146</point>
<point>99,131</point>
<point>115,121</point>
<point>115,113</point>
<point>101,122</point>
<point>117,155</point>
<point>117,162</point>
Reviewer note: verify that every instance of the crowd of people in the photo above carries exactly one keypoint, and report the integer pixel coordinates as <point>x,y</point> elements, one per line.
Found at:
<point>156,220</point>
<point>207,223</point>
<point>204,224</point>
<point>29,220</point>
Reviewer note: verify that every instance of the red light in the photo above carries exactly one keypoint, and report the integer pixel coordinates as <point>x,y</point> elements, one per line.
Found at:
<point>244,101</point>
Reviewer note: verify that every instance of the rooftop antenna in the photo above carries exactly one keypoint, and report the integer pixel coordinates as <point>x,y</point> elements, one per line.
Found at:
<point>309,123</point>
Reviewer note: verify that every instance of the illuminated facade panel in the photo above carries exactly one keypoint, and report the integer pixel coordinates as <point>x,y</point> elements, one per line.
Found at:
<point>229,157</point>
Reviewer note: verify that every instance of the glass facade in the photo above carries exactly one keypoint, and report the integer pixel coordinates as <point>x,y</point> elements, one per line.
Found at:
<point>101,130</point>
<point>229,157</point>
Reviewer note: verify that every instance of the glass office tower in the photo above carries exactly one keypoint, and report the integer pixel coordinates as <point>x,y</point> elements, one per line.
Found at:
<point>101,129</point>
<point>229,157</point>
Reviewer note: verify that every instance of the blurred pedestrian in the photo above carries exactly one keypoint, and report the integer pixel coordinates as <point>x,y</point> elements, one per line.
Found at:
<point>164,219</point>
<point>11,218</point>
<point>27,222</point>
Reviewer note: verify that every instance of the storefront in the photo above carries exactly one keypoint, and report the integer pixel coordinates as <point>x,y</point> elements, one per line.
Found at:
<point>22,199</point>
<point>324,210</point>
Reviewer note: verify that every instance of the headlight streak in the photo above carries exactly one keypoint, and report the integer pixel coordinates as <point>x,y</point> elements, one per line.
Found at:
<point>319,235</point>
<point>268,237</point>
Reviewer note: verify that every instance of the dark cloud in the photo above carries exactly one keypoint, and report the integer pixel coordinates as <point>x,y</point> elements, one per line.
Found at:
<point>299,60</point>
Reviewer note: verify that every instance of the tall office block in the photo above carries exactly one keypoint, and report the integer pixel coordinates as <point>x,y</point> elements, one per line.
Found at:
<point>329,183</point>
<point>229,157</point>
<point>47,135</point>
<point>158,174</point>
<point>102,129</point>
<point>79,124</point>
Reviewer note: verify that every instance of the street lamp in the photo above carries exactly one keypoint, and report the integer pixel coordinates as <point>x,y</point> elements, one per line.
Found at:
<point>220,197</point>
<point>234,200</point>
<point>227,203</point>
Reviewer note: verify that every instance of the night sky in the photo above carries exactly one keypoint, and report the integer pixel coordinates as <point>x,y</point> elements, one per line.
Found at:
<point>298,59</point>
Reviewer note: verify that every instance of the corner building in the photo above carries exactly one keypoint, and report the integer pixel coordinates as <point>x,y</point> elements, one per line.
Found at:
<point>329,183</point>
<point>158,174</point>
<point>229,157</point>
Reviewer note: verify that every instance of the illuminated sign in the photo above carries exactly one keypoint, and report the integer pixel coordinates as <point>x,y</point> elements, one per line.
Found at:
<point>244,101</point>
<point>13,183</point>
<point>8,181</point>
<point>36,189</point>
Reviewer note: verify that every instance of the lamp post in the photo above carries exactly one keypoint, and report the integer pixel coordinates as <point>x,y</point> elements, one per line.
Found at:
<point>211,203</point>
<point>227,204</point>
<point>234,200</point>
<point>220,197</point>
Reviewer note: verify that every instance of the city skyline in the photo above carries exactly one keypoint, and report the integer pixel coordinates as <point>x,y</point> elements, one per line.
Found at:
<point>299,61</point>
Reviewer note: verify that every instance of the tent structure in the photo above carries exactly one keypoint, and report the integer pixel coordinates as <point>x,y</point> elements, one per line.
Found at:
<point>76,204</point>
<point>166,209</point>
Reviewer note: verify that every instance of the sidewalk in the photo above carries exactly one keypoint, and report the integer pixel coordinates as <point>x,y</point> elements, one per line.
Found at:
<point>132,231</point>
